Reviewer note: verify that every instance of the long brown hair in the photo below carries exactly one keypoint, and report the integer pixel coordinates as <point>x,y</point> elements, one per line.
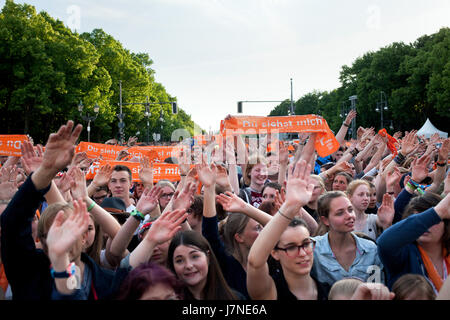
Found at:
<point>216,288</point>
<point>324,207</point>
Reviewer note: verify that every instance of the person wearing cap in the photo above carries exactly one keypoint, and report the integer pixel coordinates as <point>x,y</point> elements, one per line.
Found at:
<point>117,208</point>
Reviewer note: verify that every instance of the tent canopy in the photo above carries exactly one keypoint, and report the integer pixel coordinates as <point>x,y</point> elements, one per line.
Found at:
<point>428,129</point>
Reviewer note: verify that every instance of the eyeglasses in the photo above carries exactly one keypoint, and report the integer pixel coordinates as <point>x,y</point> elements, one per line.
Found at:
<point>167,195</point>
<point>293,251</point>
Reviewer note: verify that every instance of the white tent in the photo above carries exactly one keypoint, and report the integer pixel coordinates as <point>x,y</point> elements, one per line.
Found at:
<point>428,130</point>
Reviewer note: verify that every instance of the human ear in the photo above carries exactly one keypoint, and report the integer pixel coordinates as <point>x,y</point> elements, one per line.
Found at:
<point>238,238</point>
<point>325,221</point>
<point>274,255</point>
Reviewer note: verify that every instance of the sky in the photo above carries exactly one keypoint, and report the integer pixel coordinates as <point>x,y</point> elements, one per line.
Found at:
<point>210,54</point>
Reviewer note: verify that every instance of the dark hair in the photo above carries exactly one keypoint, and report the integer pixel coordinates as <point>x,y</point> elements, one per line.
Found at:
<point>119,167</point>
<point>216,288</point>
<point>94,250</point>
<point>424,202</point>
<point>146,275</point>
<point>273,185</point>
<point>344,174</point>
<point>197,206</point>
<point>411,283</point>
<point>235,224</point>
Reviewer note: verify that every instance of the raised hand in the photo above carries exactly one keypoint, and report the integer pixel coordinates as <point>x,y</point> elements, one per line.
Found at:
<point>231,202</point>
<point>149,199</point>
<point>350,116</point>
<point>419,168</point>
<point>386,211</point>
<point>183,199</point>
<point>122,155</point>
<point>409,143</point>
<point>64,233</point>
<point>298,190</point>
<point>103,175</point>
<point>31,159</point>
<point>78,190</point>
<point>132,141</point>
<point>206,174</point>
<point>66,182</point>
<point>393,178</point>
<point>222,177</point>
<point>8,184</point>
<point>165,227</point>
<point>444,151</point>
<point>146,171</point>
<point>284,153</point>
<point>60,147</point>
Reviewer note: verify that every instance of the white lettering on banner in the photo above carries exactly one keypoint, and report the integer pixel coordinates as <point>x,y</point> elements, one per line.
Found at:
<point>375,273</point>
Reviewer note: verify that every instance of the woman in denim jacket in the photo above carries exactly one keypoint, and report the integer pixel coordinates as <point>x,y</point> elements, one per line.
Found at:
<point>339,252</point>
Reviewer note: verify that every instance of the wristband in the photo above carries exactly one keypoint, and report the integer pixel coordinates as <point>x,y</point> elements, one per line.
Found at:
<point>344,124</point>
<point>70,271</point>
<point>137,215</point>
<point>91,206</point>
<point>354,152</point>
<point>441,164</point>
<point>281,213</point>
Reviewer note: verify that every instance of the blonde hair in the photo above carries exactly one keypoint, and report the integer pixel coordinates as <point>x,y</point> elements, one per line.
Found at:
<point>320,180</point>
<point>47,218</point>
<point>345,287</point>
<point>355,184</point>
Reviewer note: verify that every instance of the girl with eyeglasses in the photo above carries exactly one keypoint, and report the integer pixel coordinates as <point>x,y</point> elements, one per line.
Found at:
<point>287,239</point>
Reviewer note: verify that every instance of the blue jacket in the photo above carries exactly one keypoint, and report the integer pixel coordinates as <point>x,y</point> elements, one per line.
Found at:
<point>397,245</point>
<point>27,268</point>
<point>232,270</point>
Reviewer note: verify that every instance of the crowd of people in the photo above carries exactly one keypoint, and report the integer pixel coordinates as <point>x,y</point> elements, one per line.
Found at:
<point>368,222</point>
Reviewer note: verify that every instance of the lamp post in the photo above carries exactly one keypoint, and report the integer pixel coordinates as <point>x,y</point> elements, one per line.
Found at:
<point>147,113</point>
<point>382,105</point>
<point>161,119</point>
<point>353,107</point>
<point>88,118</point>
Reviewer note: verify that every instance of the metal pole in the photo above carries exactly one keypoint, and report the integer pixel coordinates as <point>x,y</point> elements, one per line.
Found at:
<point>89,129</point>
<point>120,116</point>
<point>292,100</point>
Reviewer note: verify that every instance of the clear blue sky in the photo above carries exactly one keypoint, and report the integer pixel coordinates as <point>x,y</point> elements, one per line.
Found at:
<point>212,53</point>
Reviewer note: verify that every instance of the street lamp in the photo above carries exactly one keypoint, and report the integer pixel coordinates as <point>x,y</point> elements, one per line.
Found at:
<point>161,119</point>
<point>88,118</point>
<point>382,105</point>
<point>147,113</point>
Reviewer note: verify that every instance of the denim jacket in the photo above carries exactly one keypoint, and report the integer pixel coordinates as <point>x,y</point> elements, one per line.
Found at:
<point>367,265</point>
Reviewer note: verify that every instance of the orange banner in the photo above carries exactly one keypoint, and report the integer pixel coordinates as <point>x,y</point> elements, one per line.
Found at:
<point>10,144</point>
<point>160,170</point>
<point>110,152</point>
<point>94,150</point>
<point>326,142</point>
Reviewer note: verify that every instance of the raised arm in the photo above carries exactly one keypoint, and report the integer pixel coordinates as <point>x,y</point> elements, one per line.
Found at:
<point>259,282</point>
<point>340,136</point>
<point>162,230</point>
<point>233,203</point>
<point>147,202</point>
<point>107,222</point>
